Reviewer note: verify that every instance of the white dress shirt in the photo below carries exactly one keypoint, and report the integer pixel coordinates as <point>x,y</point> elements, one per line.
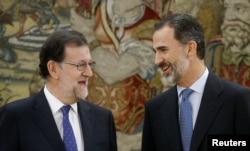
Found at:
<point>55,107</point>
<point>195,97</point>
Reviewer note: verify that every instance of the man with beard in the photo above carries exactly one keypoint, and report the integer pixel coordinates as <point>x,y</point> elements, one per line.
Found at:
<point>39,123</point>
<point>175,122</point>
<point>235,30</point>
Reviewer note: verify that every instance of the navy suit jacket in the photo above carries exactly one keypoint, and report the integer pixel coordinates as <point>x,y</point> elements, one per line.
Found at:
<point>28,125</point>
<point>224,109</point>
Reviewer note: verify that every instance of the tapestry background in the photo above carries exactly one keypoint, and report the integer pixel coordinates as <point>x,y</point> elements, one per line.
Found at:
<point>119,36</point>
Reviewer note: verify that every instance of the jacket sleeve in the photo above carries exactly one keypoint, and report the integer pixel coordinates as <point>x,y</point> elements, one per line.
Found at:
<point>113,140</point>
<point>242,116</point>
<point>147,138</point>
<point>8,130</point>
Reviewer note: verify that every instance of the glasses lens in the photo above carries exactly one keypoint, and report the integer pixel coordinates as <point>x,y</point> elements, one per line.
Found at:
<point>83,66</point>
<point>92,64</point>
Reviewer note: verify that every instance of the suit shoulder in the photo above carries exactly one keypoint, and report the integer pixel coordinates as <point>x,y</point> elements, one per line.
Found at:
<point>225,87</point>
<point>232,86</point>
<point>158,100</point>
<point>96,108</point>
<point>18,105</point>
<point>14,110</point>
<point>98,112</point>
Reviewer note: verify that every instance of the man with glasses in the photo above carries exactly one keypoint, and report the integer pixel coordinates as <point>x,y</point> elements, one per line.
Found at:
<point>59,118</point>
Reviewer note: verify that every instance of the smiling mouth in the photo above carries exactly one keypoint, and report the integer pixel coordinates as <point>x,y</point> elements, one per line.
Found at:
<point>164,66</point>
<point>82,82</point>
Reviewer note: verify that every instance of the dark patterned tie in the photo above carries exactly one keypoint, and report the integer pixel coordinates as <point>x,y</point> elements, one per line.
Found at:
<point>68,134</point>
<point>186,121</point>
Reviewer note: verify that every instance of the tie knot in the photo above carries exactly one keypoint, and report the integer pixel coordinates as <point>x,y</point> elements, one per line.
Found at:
<point>186,93</point>
<point>65,109</point>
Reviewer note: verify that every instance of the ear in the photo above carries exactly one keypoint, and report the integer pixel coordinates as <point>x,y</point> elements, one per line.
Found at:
<point>53,69</point>
<point>192,47</point>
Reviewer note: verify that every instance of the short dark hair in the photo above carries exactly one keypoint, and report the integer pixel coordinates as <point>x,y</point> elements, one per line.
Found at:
<point>186,28</point>
<point>54,48</point>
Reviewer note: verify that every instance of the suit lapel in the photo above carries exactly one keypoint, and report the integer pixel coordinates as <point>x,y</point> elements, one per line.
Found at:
<point>210,105</point>
<point>44,119</point>
<point>87,123</point>
<point>169,112</point>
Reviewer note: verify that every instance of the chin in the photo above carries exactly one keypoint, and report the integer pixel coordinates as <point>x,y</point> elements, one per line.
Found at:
<point>82,94</point>
<point>169,79</point>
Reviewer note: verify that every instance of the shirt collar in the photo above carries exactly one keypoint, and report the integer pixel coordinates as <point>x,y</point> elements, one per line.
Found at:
<point>198,86</point>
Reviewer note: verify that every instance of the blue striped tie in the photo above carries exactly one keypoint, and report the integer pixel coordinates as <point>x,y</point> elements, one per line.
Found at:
<point>186,121</point>
<point>68,134</point>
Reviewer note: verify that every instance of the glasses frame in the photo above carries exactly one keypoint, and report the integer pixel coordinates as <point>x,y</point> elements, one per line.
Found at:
<point>82,66</point>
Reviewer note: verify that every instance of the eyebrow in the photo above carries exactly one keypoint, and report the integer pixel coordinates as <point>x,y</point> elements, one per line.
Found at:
<point>84,61</point>
<point>161,48</point>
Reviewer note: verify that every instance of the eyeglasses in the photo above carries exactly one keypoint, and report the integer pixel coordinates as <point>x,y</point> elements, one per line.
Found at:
<point>82,66</point>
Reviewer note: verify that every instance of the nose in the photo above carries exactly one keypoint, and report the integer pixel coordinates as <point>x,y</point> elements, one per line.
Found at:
<point>158,59</point>
<point>88,72</point>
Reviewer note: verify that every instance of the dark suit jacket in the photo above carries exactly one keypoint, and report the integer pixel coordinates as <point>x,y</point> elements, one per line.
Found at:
<point>28,125</point>
<point>224,109</point>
